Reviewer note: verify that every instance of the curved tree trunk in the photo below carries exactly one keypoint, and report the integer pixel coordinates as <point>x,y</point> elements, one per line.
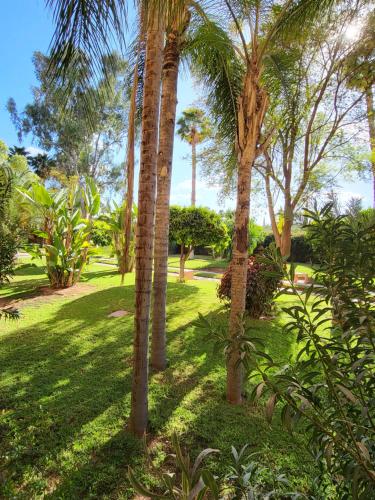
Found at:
<point>145,223</point>
<point>251,109</point>
<point>164,168</point>
<point>371,127</point>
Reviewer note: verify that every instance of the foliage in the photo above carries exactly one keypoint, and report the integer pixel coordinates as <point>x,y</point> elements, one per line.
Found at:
<point>195,226</point>
<point>246,478</point>
<point>115,221</point>
<point>301,248</point>
<point>67,219</point>
<point>260,288</point>
<point>193,126</point>
<point>10,167</point>
<point>100,234</point>
<point>189,481</point>
<point>81,130</point>
<point>331,383</point>
<point>8,250</point>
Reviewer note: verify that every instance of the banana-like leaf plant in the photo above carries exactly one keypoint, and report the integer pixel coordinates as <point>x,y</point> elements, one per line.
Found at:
<point>66,223</point>
<point>115,219</point>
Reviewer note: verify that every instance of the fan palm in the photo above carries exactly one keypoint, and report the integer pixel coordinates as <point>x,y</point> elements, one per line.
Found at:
<point>193,127</point>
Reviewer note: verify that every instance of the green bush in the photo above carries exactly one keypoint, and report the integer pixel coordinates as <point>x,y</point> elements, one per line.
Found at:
<point>330,384</point>
<point>301,249</point>
<point>100,234</point>
<point>8,250</point>
<point>260,287</point>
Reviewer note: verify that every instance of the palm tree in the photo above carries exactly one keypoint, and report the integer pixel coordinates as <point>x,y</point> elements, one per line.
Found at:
<point>193,128</point>
<point>171,62</point>
<point>237,96</point>
<point>130,156</point>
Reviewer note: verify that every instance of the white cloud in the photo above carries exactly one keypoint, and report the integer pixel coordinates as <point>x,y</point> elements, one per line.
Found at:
<point>34,151</point>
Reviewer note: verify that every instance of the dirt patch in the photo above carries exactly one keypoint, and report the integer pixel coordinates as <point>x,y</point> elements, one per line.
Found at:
<point>46,294</point>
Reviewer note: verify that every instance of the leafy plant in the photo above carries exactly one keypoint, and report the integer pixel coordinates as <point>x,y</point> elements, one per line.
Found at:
<point>67,219</point>
<point>331,385</point>
<point>100,234</point>
<point>190,481</point>
<point>260,288</point>
<point>245,479</point>
<point>115,220</point>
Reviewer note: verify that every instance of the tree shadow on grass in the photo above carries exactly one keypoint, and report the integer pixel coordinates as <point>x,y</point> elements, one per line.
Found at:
<point>67,396</point>
<point>67,388</point>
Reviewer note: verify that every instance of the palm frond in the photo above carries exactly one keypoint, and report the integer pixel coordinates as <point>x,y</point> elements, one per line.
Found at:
<point>92,27</point>
<point>217,66</point>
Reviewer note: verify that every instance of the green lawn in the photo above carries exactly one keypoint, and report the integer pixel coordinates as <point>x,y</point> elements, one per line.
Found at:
<point>198,262</point>
<point>65,391</point>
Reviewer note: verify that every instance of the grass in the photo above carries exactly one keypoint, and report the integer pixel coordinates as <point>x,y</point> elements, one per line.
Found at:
<point>65,392</point>
<point>199,262</point>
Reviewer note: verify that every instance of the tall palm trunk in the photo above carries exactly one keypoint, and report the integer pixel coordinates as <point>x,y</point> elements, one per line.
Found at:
<point>193,171</point>
<point>145,223</point>
<point>127,265</point>
<point>164,169</point>
<point>371,127</point>
<point>251,109</point>
<point>130,176</point>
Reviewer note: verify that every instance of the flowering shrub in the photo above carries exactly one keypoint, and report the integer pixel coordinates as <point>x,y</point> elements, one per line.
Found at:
<point>260,287</point>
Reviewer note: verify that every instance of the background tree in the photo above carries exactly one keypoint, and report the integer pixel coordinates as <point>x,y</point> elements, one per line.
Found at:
<point>191,226</point>
<point>79,126</point>
<point>194,128</point>
<point>361,69</point>
<point>314,115</point>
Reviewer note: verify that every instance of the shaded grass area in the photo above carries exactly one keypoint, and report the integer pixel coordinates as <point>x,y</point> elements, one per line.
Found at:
<point>65,392</point>
<point>198,262</point>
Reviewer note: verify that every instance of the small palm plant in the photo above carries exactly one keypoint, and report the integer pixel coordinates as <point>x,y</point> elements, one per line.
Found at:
<point>67,218</point>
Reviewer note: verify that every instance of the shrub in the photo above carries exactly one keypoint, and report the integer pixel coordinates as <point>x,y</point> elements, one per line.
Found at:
<point>301,249</point>
<point>67,218</point>
<point>8,250</point>
<point>100,235</point>
<point>331,385</point>
<point>260,287</point>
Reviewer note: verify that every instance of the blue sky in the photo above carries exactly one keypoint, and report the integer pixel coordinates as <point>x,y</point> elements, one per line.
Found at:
<point>26,26</point>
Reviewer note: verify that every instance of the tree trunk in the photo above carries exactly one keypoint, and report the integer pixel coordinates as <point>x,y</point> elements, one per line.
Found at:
<point>371,127</point>
<point>193,172</point>
<point>251,109</point>
<point>130,174</point>
<point>271,211</point>
<point>145,223</point>
<point>286,232</point>
<point>164,169</point>
<point>182,264</point>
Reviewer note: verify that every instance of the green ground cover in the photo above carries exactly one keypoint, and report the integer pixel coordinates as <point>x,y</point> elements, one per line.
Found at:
<point>65,391</point>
